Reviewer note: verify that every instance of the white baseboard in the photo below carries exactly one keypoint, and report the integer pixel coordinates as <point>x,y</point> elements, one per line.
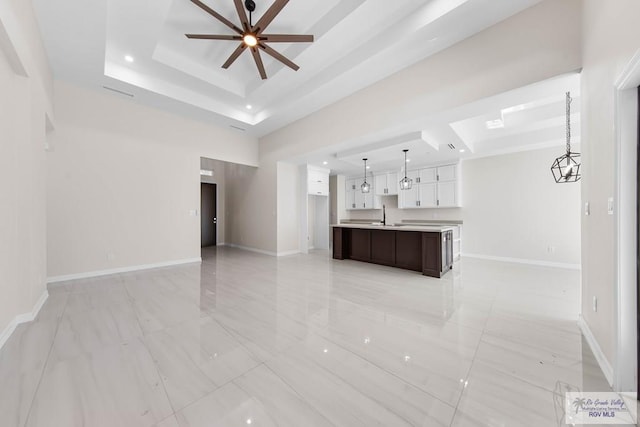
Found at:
<point>250,249</point>
<point>97,273</point>
<point>287,253</point>
<point>23,318</point>
<point>261,251</point>
<point>607,370</point>
<point>524,261</point>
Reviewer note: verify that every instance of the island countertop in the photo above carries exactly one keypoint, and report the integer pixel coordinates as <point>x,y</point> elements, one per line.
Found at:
<point>398,227</point>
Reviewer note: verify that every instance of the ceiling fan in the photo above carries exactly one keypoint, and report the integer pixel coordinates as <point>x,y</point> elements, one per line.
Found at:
<point>253,36</point>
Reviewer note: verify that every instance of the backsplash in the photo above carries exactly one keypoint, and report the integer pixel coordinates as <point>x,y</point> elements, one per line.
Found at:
<point>398,215</point>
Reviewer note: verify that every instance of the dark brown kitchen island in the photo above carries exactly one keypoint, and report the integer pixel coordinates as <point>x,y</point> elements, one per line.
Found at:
<point>428,249</point>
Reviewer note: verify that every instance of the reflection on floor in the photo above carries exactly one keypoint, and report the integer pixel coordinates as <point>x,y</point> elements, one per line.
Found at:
<point>301,341</point>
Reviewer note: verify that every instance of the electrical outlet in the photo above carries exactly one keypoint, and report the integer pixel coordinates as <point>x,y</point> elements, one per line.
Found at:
<point>111,256</point>
<point>551,249</point>
<point>587,209</point>
<point>610,205</point>
<point>595,304</point>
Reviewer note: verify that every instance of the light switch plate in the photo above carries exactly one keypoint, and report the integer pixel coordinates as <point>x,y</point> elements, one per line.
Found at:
<point>610,205</point>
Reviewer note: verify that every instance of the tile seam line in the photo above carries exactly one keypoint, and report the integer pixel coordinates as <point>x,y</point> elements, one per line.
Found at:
<point>301,397</point>
<point>349,385</point>
<point>46,363</point>
<point>144,344</point>
<point>388,372</point>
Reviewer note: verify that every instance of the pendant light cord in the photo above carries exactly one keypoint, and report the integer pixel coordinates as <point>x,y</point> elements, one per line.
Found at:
<point>405,163</point>
<point>365,170</point>
<point>569,122</point>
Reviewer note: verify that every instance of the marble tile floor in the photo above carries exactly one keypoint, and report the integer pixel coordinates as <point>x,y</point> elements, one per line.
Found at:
<point>247,339</point>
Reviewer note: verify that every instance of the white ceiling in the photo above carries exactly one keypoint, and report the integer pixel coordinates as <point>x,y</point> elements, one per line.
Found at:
<point>534,117</point>
<point>357,42</point>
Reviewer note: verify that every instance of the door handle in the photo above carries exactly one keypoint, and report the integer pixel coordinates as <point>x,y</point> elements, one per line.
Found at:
<point>215,220</point>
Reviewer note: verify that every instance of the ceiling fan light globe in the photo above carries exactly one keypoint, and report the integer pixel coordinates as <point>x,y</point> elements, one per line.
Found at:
<point>250,40</point>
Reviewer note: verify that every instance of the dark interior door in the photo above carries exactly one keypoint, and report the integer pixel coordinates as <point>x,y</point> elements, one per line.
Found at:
<point>208,214</point>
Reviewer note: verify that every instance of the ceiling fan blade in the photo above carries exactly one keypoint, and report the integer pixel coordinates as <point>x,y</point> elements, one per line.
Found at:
<point>213,37</point>
<point>256,57</point>
<point>216,15</point>
<point>280,57</point>
<point>234,55</point>
<point>286,38</point>
<point>268,16</point>
<point>242,14</point>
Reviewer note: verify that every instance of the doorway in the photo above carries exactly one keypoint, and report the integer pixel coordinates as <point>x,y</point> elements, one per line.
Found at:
<point>208,214</point>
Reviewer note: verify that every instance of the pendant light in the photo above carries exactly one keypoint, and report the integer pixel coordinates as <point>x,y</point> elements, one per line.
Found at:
<point>566,168</point>
<point>405,183</point>
<point>365,187</point>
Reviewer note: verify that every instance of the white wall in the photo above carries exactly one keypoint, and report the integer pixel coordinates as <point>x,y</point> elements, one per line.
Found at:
<point>512,208</point>
<point>289,195</point>
<point>24,106</point>
<point>539,43</point>
<point>611,37</point>
<point>122,180</point>
<point>311,221</point>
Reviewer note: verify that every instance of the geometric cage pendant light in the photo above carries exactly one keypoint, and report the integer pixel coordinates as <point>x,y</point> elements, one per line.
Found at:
<point>406,182</point>
<point>566,168</point>
<point>365,187</point>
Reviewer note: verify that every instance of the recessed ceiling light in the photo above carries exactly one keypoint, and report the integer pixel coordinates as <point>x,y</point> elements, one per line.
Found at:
<point>495,124</point>
<point>462,150</point>
<point>368,167</point>
<point>408,160</point>
<point>325,163</point>
<point>128,58</point>
<point>249,106</point>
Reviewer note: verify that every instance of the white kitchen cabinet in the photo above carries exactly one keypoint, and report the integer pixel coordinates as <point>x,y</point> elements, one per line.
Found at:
<point>386,184</point>
<point>356,199</point>
<point>418,196</point>
<point>364,200</point>
<point>427,175</point>
<point>317,181</point>
<point>433,187</point>
<point>408,199</point>
<point>428,195</point>
<point>447,173</point>
<point>350,201</point>
<point>414,175</point>
<point>447,194</point>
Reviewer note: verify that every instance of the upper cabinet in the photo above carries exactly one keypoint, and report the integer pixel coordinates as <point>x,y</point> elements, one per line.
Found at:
<point>434,187</point>
<point>356,199</point>
<point>317,181</point>
<point>386,184</point>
